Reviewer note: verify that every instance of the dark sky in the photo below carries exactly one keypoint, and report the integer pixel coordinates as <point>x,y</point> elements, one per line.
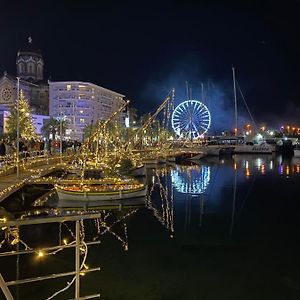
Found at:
<point>143,49</point>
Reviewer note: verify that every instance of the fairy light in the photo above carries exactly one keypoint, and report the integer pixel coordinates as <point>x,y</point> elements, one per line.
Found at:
<point>247,172</point>
<point>262,169</point>
<point>287,170</point>
<point>40,254</point>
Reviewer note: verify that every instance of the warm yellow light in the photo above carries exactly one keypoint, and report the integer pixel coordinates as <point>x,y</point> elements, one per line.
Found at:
<point>247,172</point>
<point>65,241</point>
<point>40,253</point>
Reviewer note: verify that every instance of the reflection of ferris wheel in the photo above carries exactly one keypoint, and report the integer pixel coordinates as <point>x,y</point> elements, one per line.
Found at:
<point>191,119</point>
<point>192,180</point>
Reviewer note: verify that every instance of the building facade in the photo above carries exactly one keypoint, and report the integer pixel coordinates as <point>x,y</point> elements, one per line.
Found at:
<point>30,68</point>
<point>82,104</point>
<point>37,120</point>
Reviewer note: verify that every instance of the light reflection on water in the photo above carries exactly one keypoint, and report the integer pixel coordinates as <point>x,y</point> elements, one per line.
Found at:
<point>214,202</point>
<point>190,179</point>
<point>212,186</point>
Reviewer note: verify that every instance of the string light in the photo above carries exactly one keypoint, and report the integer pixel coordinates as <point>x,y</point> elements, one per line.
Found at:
<point>41,254</point>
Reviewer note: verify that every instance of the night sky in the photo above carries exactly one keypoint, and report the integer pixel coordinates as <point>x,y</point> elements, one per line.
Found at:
<point>143,49</point>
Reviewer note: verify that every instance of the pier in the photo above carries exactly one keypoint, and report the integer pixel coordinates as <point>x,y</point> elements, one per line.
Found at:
<point>29,170</point>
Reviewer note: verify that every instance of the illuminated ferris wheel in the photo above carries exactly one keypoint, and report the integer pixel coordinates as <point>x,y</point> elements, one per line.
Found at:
<point>191,119</point>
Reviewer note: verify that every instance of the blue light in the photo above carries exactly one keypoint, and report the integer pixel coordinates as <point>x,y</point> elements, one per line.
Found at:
<point>191,119</point>
<point>191,179</point>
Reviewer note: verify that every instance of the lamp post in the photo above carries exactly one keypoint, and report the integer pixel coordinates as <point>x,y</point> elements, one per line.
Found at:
<point>18,129</point>
<point>60,134</point>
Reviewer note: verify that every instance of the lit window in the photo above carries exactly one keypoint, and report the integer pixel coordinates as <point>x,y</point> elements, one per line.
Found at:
<point>69,87</point>
<point>81,111</point>
<point>81,120</point>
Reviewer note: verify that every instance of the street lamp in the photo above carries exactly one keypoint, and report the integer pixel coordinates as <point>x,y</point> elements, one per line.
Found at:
<point>60,133</point>
<point>18,129</point>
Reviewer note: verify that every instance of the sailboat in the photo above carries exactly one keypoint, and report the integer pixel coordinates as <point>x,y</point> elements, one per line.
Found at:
<point>251,147</point>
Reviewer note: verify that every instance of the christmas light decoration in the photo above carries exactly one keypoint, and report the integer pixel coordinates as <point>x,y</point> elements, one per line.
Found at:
<point>27,129</point>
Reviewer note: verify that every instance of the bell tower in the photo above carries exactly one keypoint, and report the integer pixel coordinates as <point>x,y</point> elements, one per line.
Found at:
<point>30,63</point>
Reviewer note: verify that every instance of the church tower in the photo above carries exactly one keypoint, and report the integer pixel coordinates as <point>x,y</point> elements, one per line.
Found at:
<point>30,63</point>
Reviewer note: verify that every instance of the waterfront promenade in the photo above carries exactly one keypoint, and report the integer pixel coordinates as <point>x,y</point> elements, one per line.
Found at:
<point>38,167</point>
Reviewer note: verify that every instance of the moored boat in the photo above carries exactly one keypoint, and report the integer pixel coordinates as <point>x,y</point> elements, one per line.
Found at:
<point>171,159</point>
<point>138,171</point>
<point>262,148</point>
<point>100,190</point>
<point>297,152</point>
<point>197,156</point>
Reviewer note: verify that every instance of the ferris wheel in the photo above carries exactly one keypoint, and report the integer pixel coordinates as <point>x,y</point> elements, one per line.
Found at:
<point>191,119</point>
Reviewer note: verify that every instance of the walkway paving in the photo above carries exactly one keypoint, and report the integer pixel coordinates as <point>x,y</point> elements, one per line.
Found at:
<point>10,183</point>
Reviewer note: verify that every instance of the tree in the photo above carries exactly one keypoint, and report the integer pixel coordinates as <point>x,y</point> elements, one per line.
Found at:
<point>90,129</point>
<point>52,126</point>
<point>132,112</point>
<point>27,129</point>
<point>144,118</point>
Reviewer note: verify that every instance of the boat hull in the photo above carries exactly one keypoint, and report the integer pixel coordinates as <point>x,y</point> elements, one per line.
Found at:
<point>297,153</point>
<point>136,172</point>
<point>197,156</point>
<point>139,171</point>
<point>265,149</point>
<point>98,197</point>
<point>134,202</point>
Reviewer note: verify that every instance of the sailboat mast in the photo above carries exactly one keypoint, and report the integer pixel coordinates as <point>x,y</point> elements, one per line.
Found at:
<point>187,90</point>
<point>235,102</point>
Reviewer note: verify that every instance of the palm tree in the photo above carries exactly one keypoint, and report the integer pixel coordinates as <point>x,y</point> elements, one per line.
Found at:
<point>132,112</point>
<point>52,126</point>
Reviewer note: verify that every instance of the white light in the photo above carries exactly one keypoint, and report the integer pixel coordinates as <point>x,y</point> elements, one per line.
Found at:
<point>196,182</point>
<point>191,119</point>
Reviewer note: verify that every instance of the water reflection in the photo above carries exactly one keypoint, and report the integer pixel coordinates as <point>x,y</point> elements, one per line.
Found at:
<point>200,206</point>
<point>214,186</point>
<point>253,164</point>
<point>192,179</point>
<point>160,199</point>
<point>77,229</point>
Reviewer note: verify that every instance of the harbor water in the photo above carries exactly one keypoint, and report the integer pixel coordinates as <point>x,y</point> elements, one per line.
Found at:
<point>221,228</point>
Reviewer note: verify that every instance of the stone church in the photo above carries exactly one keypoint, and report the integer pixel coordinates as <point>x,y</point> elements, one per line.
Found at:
<point>30,67</point>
